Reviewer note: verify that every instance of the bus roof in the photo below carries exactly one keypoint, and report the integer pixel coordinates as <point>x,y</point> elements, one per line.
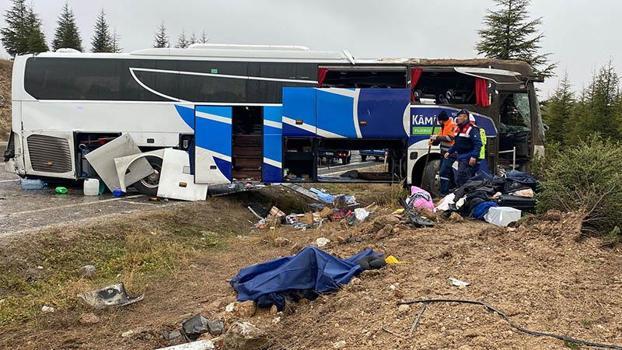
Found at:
<point>221,52</point>
<point>521,67</point>
<point>237,52</point>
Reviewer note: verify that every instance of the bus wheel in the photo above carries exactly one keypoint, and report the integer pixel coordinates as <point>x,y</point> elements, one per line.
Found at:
<point>430,181</point>
<point>149,185</point>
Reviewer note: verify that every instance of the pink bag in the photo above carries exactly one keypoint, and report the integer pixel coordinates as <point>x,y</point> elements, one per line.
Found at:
<point>420,199</point>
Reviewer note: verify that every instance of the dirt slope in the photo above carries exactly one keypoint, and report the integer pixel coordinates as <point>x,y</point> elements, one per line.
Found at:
<point>5,98</point>
<point>540,274</point>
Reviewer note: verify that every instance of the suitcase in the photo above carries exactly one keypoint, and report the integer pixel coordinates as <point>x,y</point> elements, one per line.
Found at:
<point>522,203</point>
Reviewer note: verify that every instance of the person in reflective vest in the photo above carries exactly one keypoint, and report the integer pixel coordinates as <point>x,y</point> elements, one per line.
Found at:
<point>466,149</point>
<point>445,139</point>
<point>482,164</point>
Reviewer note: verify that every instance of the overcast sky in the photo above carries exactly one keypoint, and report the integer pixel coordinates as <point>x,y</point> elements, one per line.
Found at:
<point>581,34</point>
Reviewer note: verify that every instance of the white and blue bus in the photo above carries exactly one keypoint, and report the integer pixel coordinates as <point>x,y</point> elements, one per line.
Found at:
<point>262,113</point>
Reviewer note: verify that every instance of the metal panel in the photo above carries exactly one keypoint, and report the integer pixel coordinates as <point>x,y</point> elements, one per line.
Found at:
<point>272,166</point>
<point>381,113</point>
<point>336,116</point>
<point>299,117</point>
<point>102,160</point>
<point>49,154</point>
<point>176,182</point>
<point>213,144</point>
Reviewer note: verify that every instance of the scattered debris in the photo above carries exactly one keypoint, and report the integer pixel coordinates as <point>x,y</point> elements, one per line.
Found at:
<point>502,216</point>
<point>47,309</point>
<point>88,271</point>
<point>403,309</point>
<point>391,260</point>
<point>32,184</point>
<point>61,190</point>
<point>175,181</point>
<point>90,187</point>
<point>322,242</point>
<point>102,159</point>
<point>339,345</point>
<point>361,214</point>
<point>455,217</point>
<point>244,336</point>
<point>245,309</point>
<point>113,295</point>
<point>197,345</point>
<point>171,335</point>
<point>420,199</point>
<point>281,242</point>
<point>230,307</point>
<point>89,318</point>
<point>458,283</point>
<point>414,218</point>
<point>216,327</point>
<point>193,328</point>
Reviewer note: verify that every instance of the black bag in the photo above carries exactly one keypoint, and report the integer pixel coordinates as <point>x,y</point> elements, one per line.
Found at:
<point>522,203</point>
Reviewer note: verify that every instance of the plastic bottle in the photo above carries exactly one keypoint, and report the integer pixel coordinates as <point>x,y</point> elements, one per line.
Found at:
<point>91,187</point>
<point>32,184</point>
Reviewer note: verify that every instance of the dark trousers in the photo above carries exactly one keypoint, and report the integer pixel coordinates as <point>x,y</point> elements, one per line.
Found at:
<point>446,174</point>
<point>465,171</point>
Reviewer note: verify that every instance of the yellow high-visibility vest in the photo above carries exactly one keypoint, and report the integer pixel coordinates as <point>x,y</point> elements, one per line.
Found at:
<point>482,135</point>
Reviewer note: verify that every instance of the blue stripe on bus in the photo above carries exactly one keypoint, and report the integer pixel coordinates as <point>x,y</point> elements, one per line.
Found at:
<point>335,113</point>
<point>186,114</point>
<point>273,113</point>
<point>271,173</point>
<point>224,167</point>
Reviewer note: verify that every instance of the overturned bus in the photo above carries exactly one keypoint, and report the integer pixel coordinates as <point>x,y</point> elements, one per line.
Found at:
<point>251,113</point>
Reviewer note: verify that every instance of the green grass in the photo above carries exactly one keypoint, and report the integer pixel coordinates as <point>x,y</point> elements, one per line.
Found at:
<point>136,252</point>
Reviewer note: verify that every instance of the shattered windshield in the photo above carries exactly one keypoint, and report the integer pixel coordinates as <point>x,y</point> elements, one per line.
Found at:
<point>516,112</point>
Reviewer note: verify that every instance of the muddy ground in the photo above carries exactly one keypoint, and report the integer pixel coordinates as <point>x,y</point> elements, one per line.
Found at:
<point>543,274</point>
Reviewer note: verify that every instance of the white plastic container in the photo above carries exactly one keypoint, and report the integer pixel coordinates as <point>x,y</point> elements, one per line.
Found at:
<point>91,187</point>
<point>502,216</point>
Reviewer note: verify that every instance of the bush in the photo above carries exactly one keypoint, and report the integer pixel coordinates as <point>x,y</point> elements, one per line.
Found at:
<point>586,177</point>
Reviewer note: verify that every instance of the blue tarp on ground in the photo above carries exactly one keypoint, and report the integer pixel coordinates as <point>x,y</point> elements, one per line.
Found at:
<point>310,269</point>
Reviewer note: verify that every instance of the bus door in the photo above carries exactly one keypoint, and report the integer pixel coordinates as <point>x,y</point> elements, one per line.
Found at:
<point>213,146</point>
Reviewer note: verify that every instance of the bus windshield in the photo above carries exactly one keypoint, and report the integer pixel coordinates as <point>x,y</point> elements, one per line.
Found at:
<point>515,112</point>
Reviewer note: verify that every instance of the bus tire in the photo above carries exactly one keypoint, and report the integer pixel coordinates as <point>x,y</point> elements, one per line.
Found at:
<point>149,185</point>
<point>429,180</point>
<point>363,158</point>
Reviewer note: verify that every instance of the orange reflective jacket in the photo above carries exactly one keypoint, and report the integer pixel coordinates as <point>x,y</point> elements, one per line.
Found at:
<point>447,134</point>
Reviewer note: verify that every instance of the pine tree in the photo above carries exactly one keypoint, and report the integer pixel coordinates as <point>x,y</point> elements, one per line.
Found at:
<point>115,46</point>
<point>203,39</point>
<point>102,40</point>
<point>36,38</point>
<point>598,109</point>
<point>511,34</point>
<point>558,111</point>
<point>67,34</point>
<point>161,38</point>
<point>193,39</point>
<point>23,32</point>
<point>182,42</point>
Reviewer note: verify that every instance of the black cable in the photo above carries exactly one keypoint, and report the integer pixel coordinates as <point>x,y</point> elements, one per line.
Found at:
<point>512,324</point>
